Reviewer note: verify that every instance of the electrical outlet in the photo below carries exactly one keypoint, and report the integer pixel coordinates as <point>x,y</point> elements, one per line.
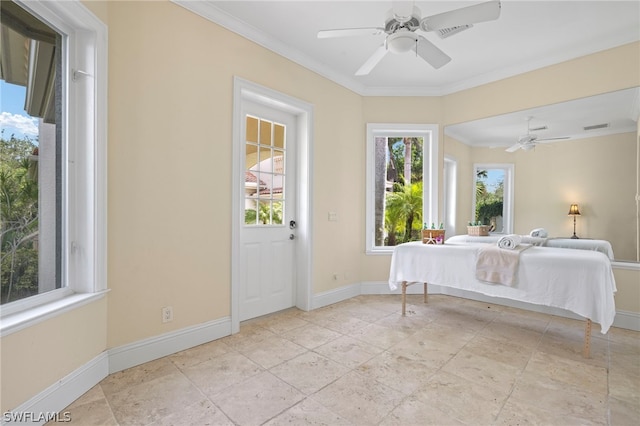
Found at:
<point>167,314</point>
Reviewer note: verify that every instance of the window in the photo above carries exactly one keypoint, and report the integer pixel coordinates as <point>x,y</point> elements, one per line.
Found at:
<point>31,172</point>
<point>493,197</point>
<point>53,231</point>
<point>402,183</point>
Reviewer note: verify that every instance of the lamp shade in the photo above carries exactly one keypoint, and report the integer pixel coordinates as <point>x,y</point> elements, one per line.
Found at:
<point>573,210</point>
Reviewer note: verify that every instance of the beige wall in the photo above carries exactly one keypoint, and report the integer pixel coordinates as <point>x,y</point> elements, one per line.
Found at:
<point>628,295</point>
<point>170,142</point>
<point>169,177</point>
<point>37,357</point>
<point>604,72</point>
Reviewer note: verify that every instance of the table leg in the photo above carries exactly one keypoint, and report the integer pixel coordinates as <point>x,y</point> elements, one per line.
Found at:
<point>404,298</point>
<point>425,293</point>
<point>587,339</point>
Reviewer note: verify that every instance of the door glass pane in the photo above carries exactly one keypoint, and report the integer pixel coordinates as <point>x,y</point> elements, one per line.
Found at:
<point>265,172</point>
<point>265,192</point>
<point>251,154</point>
<point>276,218</point>
<point>252,129</point>
<point>265,132</point>
<point>278,136</point>
<point>264,160</point>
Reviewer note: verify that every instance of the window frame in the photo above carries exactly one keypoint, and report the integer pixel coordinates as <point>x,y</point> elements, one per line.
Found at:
<point>84,118</point>
<point>430,161</point>
<point>450,193</point>
<point>508,195</point>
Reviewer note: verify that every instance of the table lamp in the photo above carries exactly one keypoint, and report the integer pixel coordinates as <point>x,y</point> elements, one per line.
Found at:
<point>573,211</point>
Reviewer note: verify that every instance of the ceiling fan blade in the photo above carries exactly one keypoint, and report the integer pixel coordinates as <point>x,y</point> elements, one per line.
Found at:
<point>350,32</point>
<point>513,148</point>
<point>487,11</point>
<point>430,53</point>
<point>372,61</point>
<point>549,140</point>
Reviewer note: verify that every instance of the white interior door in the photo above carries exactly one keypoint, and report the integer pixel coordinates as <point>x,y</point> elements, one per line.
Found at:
<point>268,231</point>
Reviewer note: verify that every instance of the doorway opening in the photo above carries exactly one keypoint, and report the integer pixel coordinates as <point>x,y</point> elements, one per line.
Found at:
<point>253,103</point>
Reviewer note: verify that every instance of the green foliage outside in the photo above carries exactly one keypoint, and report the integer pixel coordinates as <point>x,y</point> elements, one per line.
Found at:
<point>396,152</point>
<point>404,214</point>
<point>403,210</point>
<point>18,219</point>
<point>488,204</point>
<point>263,214</point>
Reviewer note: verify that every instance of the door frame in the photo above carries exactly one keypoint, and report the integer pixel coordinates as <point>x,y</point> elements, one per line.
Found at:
<point>303,113</point>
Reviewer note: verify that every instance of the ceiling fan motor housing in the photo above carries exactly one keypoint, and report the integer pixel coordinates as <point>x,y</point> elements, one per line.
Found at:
<point>527,138</point>
<point>393,22</point>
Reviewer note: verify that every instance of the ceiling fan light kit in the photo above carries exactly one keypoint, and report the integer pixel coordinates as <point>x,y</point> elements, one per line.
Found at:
<point>401,26</point>
<point>402,41</point>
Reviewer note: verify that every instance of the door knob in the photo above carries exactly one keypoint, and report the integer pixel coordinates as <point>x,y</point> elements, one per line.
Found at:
<point>292,224</point>
<point>291,236</point>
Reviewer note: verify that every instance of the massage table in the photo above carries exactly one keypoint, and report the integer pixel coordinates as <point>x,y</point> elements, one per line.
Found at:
<point>602,246</point>
<point>580,281</point>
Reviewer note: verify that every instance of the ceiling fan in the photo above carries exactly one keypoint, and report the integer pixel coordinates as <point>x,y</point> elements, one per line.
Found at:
<point>529,141</point>
<point>404,20</point>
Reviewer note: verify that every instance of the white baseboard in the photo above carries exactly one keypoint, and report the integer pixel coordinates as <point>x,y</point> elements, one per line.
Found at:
<point>59,395</point>
<point>334,296</point>
<point>146,350</point>
<point>628,320</point>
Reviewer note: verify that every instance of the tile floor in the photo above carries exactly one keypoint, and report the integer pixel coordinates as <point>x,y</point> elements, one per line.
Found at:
<point>359,362</point>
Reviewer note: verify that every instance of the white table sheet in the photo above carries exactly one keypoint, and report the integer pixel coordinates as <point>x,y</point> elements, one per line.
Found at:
<point>581,244</point>
<point>602,246</point>
<point>580,281</point>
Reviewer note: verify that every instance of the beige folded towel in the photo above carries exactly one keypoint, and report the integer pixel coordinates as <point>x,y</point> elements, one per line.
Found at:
<point>499,266</point>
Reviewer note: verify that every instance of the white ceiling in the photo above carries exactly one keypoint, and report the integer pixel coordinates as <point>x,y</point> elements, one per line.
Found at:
<point>528,35</point>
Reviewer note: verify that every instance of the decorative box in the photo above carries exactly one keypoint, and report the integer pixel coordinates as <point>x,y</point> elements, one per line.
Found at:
<point>478,231</point>
<point>433,236</point>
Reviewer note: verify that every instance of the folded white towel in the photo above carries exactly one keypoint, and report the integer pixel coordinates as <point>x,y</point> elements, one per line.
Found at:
<point>510,241</point>
<point>534,241</point>
<point>539,232</point>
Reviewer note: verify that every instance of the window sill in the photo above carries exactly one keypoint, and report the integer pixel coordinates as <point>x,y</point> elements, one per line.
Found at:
<point>21,320</point>
<point>629,265</point>
<point>380,251</point>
